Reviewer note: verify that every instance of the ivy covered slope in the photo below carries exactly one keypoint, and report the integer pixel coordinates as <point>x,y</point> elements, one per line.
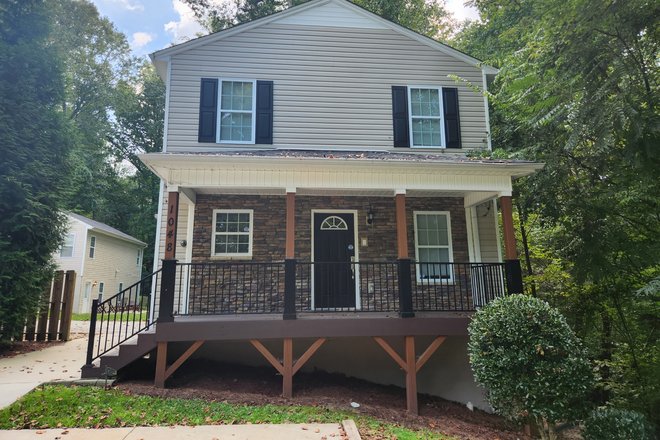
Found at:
<point>529,360</point>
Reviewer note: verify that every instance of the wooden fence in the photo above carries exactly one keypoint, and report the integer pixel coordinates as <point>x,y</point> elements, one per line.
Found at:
<point>53,321</point>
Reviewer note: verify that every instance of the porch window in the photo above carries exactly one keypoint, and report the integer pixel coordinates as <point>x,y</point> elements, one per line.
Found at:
<point>232,233</point>
<point>237,107</point>
<point>433,246</point>
<point>425,116</point>
<point>66,251</point>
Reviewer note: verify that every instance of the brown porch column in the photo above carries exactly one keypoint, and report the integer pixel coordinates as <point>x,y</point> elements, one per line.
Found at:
<point>290,223</point>
<point>507,227</point>
<point>411,375</point>
<point>172,220</point>
<point>401,230</point>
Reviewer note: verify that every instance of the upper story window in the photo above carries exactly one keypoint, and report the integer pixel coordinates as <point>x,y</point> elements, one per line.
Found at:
<point>139,254</point>
<point>433,246</point>
<point>237,107</point>
<point>236,111</point>
<point>92,246</point>
<point>66,250</point>
<point>232,233</point>
<point>425,117</point>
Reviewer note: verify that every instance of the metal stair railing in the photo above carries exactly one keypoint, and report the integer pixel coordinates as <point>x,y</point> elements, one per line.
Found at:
<point>121,317</point>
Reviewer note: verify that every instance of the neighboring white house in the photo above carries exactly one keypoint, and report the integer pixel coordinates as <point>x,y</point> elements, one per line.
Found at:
<point>106,260</point>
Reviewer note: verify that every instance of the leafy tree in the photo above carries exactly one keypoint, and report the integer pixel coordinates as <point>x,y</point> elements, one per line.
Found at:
<point>532,364</point>
<point>617,425</point>
<point>34,164</point>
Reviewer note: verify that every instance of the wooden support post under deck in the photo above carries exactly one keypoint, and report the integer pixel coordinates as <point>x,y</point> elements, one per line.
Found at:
<point>287,386</point>
<point>161,365</point>
<point>172,220</point>
<point>507,228</point>
<point>290,224</point>
<point>401,229</point>
<point>411,375</point>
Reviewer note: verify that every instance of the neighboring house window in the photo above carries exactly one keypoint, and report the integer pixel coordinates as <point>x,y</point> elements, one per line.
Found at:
<point>425,117</point>
<point>235,111</point>
<point>433,245</point>
<point>66,250</point>
<point>101,286</point>
<point>121,287</point>
<point>92,246</point>
<point>232,233</point>
<point>237,108</point>
<point>139,254</point>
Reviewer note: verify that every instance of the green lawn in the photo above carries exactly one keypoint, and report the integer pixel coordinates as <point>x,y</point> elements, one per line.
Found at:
<point>126,316</point>
<point>80,407</point>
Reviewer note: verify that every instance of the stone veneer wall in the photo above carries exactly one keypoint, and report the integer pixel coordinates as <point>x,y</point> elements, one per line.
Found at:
<point>244,288</point>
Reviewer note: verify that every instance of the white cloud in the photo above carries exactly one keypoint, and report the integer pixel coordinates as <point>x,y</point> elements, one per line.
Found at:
<point>187,26</point>
<point>140,39</point>
<point>461,11</point>
<point>127,4</point>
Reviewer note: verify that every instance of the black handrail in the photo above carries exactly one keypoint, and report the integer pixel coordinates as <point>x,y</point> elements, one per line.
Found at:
<point>121,317</point>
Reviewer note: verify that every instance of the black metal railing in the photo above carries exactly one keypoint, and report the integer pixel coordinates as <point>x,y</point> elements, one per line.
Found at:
<point>291,287</point>
<point>229,288</point>
<point>120,317</point>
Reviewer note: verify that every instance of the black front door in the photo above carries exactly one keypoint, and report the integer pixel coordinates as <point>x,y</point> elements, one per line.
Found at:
<point>334,248</point>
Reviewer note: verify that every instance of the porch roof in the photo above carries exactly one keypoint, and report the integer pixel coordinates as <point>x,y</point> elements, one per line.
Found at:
<point>325,172</point>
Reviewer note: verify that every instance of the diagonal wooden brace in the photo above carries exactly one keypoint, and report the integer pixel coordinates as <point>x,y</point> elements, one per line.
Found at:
<point>162,372</point>
<point>287,369</point>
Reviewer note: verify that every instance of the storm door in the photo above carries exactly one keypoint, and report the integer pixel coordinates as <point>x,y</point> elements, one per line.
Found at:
<point>334,253</point>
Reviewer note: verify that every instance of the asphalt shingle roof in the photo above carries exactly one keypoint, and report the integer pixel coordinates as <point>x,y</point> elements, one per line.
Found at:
<point>103,227</point>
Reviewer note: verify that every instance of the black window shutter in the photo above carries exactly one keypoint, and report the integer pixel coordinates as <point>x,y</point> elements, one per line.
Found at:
<point>452,123</point>
<point>400,116</point>
<point>208,110</point>
<point>264,119</point>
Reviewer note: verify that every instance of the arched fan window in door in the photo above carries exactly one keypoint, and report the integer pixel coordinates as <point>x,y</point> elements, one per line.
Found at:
<point>334,223</point>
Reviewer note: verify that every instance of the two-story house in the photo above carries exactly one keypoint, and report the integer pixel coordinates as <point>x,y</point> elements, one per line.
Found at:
<point>316,193</point>
<point>105,260</point>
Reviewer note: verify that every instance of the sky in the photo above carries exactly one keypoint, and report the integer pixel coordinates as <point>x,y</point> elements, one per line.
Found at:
<point>151,25</point>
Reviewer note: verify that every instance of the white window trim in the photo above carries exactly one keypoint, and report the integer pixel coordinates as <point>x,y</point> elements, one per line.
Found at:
<point>214,234</point>
<point>441,118</point>
<point>254,110</point>
<point>450,247</point>
<point>73,247</point>
<point>92,247</point>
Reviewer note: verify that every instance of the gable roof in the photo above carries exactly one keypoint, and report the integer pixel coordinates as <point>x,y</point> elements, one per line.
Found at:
<point>105,228</point>
<point>161,58</point>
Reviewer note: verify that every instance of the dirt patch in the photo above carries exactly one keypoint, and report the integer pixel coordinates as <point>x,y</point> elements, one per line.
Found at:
<point>200,379</point>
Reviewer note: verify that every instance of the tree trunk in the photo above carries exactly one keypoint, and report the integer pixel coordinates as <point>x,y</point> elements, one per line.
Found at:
<point>552,430</point>
<point>522,217</point>
<point>541,426</point>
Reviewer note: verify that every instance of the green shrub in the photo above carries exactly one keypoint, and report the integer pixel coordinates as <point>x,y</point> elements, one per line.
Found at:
<point>614,424</point>
<point>529,360</point>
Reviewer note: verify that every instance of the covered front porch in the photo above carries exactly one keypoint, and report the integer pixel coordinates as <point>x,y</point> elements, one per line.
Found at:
<point>271,245</point>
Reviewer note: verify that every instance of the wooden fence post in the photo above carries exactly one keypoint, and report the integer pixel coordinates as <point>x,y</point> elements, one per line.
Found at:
<point>67,306</point>
<point>54,318</point>
<point>43,313</point>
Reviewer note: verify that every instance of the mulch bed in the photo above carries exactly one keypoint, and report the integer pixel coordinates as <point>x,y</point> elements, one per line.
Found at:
<point>24,347</point>
<point>201,379</point>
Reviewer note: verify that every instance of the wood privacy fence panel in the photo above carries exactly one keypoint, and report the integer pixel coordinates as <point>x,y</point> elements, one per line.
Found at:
<point>53,320</point>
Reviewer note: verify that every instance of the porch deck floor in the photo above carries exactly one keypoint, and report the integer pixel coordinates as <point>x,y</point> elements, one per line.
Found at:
<point>311,325</point>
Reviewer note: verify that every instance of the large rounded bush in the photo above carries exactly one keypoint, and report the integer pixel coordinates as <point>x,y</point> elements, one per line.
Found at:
<point>613,424</point>
<point>529,360</point>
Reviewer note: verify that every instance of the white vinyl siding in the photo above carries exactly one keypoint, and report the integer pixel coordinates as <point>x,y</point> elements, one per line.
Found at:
<point>488,236</point>
<point>332,87</point>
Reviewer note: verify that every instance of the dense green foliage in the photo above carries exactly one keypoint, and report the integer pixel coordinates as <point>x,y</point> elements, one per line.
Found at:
<point>35,164</point>
<point>95,407</point>
<point>616,424</point>
<point>579,90</point>
<point>529,360</point>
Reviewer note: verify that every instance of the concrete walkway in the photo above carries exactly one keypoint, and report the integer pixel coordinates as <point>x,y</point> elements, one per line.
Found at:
<point>320,431</point>
<point>22,373</point>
